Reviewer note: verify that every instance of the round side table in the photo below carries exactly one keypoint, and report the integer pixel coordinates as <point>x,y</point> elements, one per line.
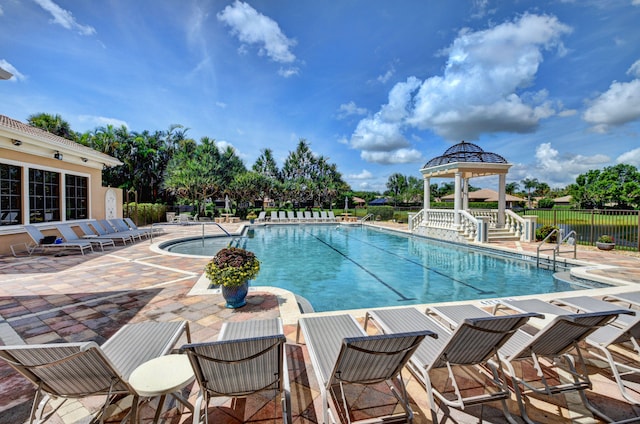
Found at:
<point>162,376</point>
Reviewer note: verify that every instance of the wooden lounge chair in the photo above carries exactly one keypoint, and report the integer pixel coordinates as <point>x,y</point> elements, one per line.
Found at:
<point>472,345</point>
<point>79,370</point>
<point>343,354</point>
<point>247,358</point>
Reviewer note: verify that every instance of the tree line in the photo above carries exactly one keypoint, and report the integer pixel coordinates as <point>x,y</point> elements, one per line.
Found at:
<point>169,167</point>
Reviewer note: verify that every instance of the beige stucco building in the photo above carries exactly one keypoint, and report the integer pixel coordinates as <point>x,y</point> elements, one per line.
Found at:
<point>46,179</point>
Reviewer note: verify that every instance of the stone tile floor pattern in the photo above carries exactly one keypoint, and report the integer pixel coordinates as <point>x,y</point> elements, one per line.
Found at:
<point>68,298</point>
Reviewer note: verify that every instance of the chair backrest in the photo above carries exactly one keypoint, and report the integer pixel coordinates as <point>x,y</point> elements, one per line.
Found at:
<point>67,233</point>
<point>274,215</point>
<point>119,224</point>
<point>261,215</point>
<point>65,369</point>
<point>107,227</point>
<point>371,359</point>
<point>316,215</point>
<point>300,215</point>
<point>130,223</point>
<point>323,215</point>
<point>307,215</point>
<point>34,233</point>
<point>239,367</point>
<point>331,215</point>
<point>476,340</point>
<point>86,229</point>
<point>282,215</point>
<point>561,334</point>
<point>291,215</point>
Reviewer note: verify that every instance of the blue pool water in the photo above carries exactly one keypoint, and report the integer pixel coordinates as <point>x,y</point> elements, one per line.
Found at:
<point>351,267</point>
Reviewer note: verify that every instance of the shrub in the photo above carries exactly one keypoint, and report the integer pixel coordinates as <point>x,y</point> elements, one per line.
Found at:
<point>546,203</point>
<point>543,232</point>
<point>384,212</point>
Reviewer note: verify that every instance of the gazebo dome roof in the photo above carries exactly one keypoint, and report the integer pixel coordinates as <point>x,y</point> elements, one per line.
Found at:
<point>465,152</point>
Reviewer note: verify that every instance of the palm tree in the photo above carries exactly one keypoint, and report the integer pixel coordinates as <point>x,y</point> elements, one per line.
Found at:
<point>53,124</point>
<point>529,183</point>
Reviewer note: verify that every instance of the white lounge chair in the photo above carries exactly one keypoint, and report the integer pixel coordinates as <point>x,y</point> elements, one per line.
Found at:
<point>316,216</point>
<point>40,242</point>
<point>342,354</point>
<point>102,233</point>
<point>547,351</point>
<point>300,216</point>
<point>247,358</point>
<point>262,216</point>
<point>291,216</point>
<point>274,216</point>
<point>70,236</point>
<point>79,370</point>
<point>473,343</point>
<point>332,217</point>
<point>307,216</point>
<point>282,216</point>
<point>122,227</point>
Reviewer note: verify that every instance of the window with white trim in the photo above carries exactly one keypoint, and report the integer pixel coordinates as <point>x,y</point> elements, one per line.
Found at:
<point>10,194</point>
<point>76,197</point>
<point>44,196</point>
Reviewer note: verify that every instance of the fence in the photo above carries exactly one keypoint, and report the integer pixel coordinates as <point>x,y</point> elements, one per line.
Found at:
<point>589,224</point>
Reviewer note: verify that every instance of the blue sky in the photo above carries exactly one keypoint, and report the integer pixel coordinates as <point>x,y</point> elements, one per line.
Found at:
<point>376,86</point>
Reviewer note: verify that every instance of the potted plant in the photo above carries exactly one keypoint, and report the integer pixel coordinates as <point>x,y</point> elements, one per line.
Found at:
<point>605,242</point>
<point>251,216</point>
<point>231,269</point>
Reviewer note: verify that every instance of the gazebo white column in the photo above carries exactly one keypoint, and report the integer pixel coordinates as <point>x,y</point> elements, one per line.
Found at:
<point>465,194</point>
<point>502,199</point>
<point>457,200</point>
<point>427,193</point>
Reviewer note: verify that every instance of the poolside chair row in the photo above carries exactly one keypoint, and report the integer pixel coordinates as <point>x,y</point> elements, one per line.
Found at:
<point>300,216</point>
<point>102,233</point>
<point>530,347</point>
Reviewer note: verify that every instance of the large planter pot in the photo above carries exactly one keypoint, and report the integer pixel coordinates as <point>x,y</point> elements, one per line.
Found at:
<point>605,246</point>
<point>235,296</point>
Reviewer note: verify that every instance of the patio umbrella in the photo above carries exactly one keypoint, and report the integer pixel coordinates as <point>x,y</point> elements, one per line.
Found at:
<point>346,203</point>
<point>227,203</point>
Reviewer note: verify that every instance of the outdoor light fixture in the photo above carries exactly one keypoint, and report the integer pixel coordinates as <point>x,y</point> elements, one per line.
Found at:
<point>16,142</point>
<point>84,159</point>
<point>57,155</point>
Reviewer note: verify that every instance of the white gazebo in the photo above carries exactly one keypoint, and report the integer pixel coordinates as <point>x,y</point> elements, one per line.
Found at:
<point>462,162</point>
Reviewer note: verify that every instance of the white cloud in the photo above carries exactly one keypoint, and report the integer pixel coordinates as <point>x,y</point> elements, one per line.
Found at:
<point>17,76</point>
<point>364,175</point>
<point>288,72</point>
<point>485,70</point>
<point>391,158</point>
<point>101,121</point>
<point>387,75</point>
<point>64,18</point>
<point>618,105</point>
<point>560,170</point>
<point>567,112</point>
<point>481,90</point>
<point>635,2</point>
<point>631,157</point>
<point>221,105</point>
<point>252,27</point>
<point>348,109</point>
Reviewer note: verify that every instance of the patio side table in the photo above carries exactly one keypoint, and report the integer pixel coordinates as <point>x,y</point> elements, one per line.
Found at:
<point>162,376</point>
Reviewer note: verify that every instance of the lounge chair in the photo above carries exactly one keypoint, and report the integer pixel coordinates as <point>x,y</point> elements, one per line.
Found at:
<point>39,238</point>
<point>300,216</point>
<point>70,236</point>
<point>316,216</point>
<point>150,231</point>
<point>332,217</point>
<point>262,216</point>
<point>79,370</point>
<point>102,233</point>
<point>307,216</point>
<point>110,229</point>
<point>282,216</point>
<point>274,216</point>
<point>609,341</point>
<point>122,227</point>
<point>623,333</point>
<point>247,358</point>
<point>631,299</point>
<point>342,354</point>
<point>291,216</point>
<point>474,341</point>
<point>323,216</point>
<point>547,351</point>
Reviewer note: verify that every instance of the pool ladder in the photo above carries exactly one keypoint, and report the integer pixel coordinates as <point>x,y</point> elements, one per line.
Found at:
<point>568,240</point>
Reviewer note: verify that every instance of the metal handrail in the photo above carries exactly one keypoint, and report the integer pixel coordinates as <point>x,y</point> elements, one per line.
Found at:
<point>190,223</point>
<point>569,239</point>
<point>366,217</point>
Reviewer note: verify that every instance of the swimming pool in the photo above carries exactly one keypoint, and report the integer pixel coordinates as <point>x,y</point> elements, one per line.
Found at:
<point>352,267</point>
